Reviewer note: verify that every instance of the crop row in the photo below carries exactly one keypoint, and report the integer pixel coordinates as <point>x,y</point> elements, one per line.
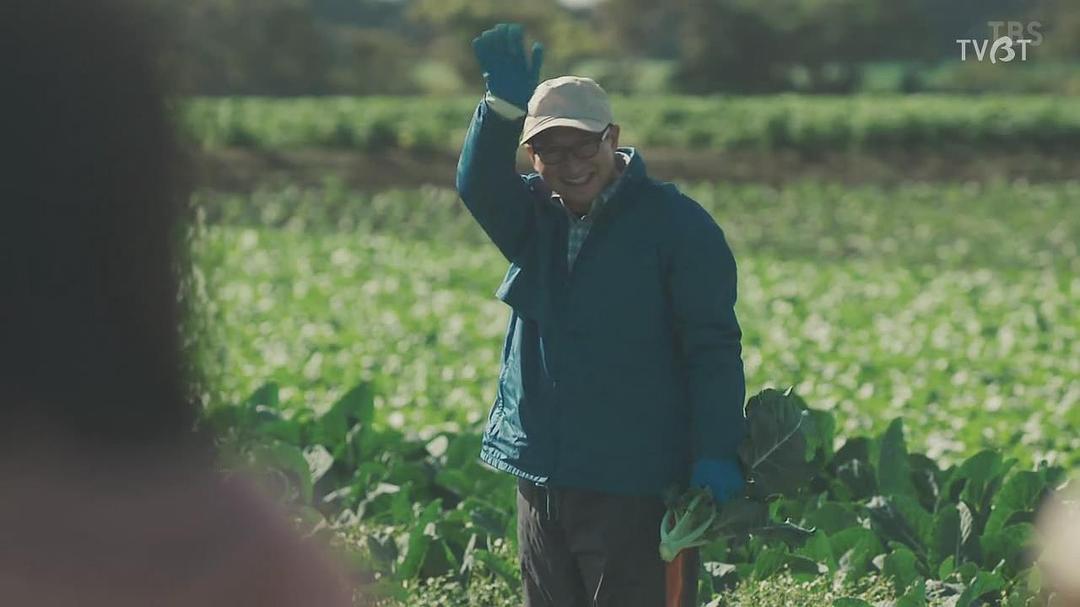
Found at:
<point>938,304</point>
<point>408,508</point>
<point>1001,225</point>
<point>808,123</point>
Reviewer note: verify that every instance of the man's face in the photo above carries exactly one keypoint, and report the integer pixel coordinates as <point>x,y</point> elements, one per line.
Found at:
<point>577,180</point>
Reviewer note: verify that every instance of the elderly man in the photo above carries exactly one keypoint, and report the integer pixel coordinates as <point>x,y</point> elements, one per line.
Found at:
<point>621,369</point>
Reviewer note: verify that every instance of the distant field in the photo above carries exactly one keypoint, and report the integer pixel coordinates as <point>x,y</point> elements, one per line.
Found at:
<point>930,302</point>
<point>808,123</point>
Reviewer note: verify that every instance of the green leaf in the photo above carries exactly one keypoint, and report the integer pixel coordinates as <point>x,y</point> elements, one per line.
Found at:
<point>824,428</point>
<point>484,516</point>
<point>454,480</point>
<point>967,572</point>
<point>261,411</point>
<point>383,549</point>
<point>921,521</point>
<point>401,506</point>
<point>439,559</point>
<point>953,535</point>
<point>1010,544</point>
<point>902,568</point>
<point>284,430</point>
<point>467,560</point>
<point>786,532</point>
<point>222,419</point>
<point>782,508</point>
<point>946,568</point>
<point>1021,516</point>
<point>378,500</point>
<point>356,407</point>
<point>500,567</point>
<point>855,548</point>
<point>775,452</point>
<point>983,583</point>
<point>420,539</point>
<point>890,522</point>
<point>803,568</point>
<point>977,470</point>
<point>947,540</point>
<point>850,602</point>
<point>915,596</point>
<point>980,477</point>
<point>768,562</point>
<point>265,395</point>
<point>857,447</point>
<point>774,560</point>
<point>893,472</point>
<point>832,517</point>
<point>1021,492</point>
<point>851,465</point>
<point>927,480</point>
<point>462,450</point>
<point>737,517</point>
<point>1052,476</point>
<point>819,548</point>
<point>859,477</point>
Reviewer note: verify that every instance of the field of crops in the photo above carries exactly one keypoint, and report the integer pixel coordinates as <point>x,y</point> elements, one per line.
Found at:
<point>814,124</point>
<point>354,341</point>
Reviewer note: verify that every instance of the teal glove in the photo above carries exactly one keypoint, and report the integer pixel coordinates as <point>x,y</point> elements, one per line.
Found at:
<point>722,477</point>
<point>500,51</point>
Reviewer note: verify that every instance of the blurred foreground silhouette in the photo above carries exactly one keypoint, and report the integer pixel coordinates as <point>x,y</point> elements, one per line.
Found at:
<point>1058,545</point>
<point>109,496</point>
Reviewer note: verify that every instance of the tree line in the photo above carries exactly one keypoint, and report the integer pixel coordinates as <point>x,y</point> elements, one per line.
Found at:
<point>369,47</point>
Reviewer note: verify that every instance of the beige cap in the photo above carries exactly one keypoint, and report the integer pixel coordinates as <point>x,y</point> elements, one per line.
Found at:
<point>567,101</point>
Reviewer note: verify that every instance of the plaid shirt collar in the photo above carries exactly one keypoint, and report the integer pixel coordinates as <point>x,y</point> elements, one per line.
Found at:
<point>622,161</point>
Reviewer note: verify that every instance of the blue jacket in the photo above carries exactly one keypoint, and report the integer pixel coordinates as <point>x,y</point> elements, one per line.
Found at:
<point>617,375</point>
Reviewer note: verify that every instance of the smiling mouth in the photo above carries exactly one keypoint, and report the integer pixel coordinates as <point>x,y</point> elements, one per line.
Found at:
<point>578,180</point>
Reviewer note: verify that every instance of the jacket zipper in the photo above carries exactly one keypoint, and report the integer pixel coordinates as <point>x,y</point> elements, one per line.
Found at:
<point>564,238</point>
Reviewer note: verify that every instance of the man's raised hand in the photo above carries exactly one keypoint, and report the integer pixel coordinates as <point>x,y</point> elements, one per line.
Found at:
<point>501,54</point>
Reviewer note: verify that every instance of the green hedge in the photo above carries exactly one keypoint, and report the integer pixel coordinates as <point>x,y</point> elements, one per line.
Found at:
<point>806,123</point>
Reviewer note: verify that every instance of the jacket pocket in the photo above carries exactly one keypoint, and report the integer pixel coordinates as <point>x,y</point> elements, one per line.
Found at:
<point>523,291</point>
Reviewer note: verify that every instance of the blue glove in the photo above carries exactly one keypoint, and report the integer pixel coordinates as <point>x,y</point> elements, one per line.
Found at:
<point>722,477</point>
<point>501,54</point>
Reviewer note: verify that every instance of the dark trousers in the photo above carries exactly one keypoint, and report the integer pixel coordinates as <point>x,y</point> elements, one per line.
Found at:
<point>583,548</point>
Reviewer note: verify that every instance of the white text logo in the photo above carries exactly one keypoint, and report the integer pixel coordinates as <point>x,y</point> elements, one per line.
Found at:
<point>1007,36</point>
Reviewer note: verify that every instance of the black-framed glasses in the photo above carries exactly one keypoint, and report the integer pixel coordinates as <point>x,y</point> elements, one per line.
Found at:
<point>583,151</point>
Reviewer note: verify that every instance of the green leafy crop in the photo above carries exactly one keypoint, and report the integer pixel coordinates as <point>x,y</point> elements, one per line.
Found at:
<point>779,455</point>
<point>958,533</point>
<point>947,305</point>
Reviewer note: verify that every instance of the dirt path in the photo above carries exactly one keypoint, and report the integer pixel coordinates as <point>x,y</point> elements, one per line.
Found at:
<point>242,169</point>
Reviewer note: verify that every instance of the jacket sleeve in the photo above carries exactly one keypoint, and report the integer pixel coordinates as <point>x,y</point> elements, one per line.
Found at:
<point>708,338</point>
<point>489,184</point>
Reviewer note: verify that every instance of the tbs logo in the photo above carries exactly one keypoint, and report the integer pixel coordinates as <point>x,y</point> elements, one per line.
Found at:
<point>1003,46</point>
